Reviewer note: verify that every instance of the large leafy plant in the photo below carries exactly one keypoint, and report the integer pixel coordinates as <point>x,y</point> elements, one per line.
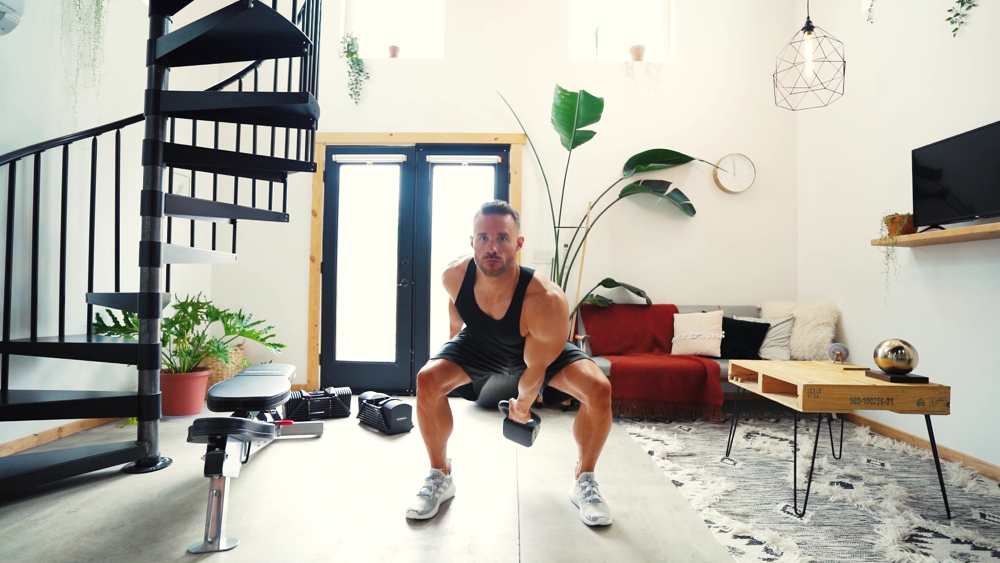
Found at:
<point>185,342</point>
<point>571,113</point>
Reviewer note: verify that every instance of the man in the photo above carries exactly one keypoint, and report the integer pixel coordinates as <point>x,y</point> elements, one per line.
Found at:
<point>516,324</point>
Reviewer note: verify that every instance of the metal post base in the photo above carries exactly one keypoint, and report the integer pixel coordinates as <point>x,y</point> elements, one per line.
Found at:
<point>225,544</point>
<point>148,465</point>
<point>215,519</point>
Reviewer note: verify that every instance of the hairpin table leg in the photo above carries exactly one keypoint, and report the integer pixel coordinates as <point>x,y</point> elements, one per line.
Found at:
<point>829,426</point>
<point>795,466</point>
<point>737,405</point>
<point>937,464</point>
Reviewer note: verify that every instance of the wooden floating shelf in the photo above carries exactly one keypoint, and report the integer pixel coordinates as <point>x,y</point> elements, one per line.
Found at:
<point>961,234</point>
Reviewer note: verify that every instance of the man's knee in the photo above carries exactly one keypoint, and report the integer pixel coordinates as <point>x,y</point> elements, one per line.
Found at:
<point>437,378</point>
<point>595,387</point>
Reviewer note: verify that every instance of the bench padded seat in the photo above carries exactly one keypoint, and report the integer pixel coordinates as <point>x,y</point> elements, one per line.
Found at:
<point>257,388</point>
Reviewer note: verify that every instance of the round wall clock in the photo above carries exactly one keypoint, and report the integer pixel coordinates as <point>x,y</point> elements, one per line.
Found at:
<point>736,175</point>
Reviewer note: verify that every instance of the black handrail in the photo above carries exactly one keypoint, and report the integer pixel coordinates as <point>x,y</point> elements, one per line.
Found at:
<point>46,145</point>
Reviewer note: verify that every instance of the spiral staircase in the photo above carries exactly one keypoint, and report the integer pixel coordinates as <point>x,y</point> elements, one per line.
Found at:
<point>279,42</point>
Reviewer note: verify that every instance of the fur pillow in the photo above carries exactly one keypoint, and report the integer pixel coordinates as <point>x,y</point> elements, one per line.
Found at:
<point>698,334</point>
<point>814,328</point>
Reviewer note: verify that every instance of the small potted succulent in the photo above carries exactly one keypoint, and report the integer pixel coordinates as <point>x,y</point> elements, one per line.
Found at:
<point>186,346</point>
<point>898,224</point>
<point>892,226</point>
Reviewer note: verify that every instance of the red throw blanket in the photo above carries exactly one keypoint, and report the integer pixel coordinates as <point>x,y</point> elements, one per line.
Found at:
<point>646,380</point>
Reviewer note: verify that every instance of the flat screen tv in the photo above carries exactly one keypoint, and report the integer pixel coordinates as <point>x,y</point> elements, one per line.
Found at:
<point>957,179</point>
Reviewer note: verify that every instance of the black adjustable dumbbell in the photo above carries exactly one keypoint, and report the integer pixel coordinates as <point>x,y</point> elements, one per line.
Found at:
<point>523,434</point>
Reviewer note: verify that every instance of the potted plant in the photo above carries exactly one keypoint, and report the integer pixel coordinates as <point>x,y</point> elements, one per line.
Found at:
<point>897,224</point>
<point>186,346</point>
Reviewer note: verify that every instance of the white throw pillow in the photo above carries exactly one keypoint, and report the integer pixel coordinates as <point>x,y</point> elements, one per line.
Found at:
<point>698,334</point>
<point>776,341</point>
<point>814,329</point>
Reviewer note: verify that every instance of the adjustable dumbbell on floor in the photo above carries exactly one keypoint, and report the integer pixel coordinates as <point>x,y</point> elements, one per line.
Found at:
<point>523,434</point>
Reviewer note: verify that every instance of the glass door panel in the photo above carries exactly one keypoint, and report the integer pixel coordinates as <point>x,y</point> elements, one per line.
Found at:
<point>367,255</point>
<point>457,192</point>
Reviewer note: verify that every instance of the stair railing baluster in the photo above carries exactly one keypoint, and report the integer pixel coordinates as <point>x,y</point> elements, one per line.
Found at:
<point>236,179</point>
<point>62,241</point>
<point>170,190</point>
<point>36,196</point>
<point>284,197</point>
<point>93,227</point>
<point>319,41</point>
<point>8,272</point>
<point>253,183</point>
<point>215,182</point>
<point>194,175</point>
<point>118,211</point>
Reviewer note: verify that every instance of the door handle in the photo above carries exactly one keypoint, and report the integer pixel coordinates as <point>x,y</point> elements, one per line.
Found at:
<point>403,283</point>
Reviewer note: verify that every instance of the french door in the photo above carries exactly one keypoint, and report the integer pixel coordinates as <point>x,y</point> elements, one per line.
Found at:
<point>394,217</point>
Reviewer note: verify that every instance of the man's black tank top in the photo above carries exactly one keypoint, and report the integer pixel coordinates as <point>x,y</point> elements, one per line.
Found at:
<point>498,337</point>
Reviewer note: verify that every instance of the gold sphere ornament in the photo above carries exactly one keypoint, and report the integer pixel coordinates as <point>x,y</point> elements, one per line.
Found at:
<point>896,356</point>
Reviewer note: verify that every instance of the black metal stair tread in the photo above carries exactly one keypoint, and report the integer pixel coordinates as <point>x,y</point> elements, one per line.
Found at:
<point>229,163</point>
<point>21,471</point>
<point>169,7</point>
<point>279,109</point>
<point>48,404</point>
<point>208,210</point>
<point>179,254</point>
<point>234,33</point>
<point>122,301</point>
<point>92,348</point>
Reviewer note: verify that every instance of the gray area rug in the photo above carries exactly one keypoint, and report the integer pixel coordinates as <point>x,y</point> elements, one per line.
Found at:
<point>880,502</point>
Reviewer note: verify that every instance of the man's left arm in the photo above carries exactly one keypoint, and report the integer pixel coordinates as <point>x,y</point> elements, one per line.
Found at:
<point>548,325</point>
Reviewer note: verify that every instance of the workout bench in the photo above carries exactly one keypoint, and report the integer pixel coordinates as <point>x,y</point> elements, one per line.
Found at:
<point>255,395</point>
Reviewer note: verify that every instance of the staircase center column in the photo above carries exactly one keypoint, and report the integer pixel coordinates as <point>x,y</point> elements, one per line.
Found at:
<point>150,261</point>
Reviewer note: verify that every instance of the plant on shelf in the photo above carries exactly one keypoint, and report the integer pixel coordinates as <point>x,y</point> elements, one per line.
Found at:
<point>356,73</point>
<point>185,343</point>
<point>957,14</point>
<point>891,227</point>
<point>571,113</point>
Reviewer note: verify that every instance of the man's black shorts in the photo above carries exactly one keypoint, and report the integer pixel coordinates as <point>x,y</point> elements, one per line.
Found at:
<point>481,365</point>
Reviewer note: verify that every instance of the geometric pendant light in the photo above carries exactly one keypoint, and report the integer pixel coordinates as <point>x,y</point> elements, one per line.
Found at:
<point>809,71</point>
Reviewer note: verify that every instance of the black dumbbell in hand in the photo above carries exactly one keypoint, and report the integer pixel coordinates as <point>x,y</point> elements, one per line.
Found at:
<point>523,434</point>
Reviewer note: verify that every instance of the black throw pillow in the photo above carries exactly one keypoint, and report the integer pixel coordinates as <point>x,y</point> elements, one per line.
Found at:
<point>743,339</point>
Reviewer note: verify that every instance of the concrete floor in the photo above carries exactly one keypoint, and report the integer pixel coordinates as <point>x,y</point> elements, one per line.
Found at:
<point>342,498</point>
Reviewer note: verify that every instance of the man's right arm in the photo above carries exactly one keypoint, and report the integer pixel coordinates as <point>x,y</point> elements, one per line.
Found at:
<point>455,321</point>
<point>452,281</point>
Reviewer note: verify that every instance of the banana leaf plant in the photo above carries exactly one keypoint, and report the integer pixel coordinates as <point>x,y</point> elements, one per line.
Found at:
<point>571,113</point>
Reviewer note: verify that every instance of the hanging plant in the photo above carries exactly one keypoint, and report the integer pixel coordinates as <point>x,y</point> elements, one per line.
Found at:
<point>83,25</point>
<point>356,73</point>
<point>891,227</point>
<point>871,12</point>
<point>958,13</point>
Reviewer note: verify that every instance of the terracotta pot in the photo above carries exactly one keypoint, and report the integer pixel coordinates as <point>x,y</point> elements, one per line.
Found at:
<point>393,52</point>
<point>183,393</point>
<point>899,225</point>
<point>637,52</point>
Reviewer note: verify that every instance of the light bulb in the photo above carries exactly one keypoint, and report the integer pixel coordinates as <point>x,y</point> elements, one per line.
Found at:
<point>809,48</point>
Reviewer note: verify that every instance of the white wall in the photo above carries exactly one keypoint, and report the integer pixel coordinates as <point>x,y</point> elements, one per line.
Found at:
<point>909,83</point>
<point>35,106</point>
<point>715,99</point>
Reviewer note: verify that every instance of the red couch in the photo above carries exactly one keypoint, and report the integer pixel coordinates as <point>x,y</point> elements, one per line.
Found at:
<point>647,381</point>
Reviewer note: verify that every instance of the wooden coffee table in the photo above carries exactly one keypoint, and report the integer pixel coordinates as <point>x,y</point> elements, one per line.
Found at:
<point>826,387</point>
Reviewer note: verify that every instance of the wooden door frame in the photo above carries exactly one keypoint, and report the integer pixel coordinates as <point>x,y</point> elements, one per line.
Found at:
<point>515,140</point>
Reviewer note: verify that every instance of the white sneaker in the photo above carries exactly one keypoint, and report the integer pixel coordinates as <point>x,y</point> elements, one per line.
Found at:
<point>437,489</point>
<point>584,494</point>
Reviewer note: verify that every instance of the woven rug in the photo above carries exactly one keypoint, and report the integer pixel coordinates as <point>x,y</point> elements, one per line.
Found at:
<point>880,502</point>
